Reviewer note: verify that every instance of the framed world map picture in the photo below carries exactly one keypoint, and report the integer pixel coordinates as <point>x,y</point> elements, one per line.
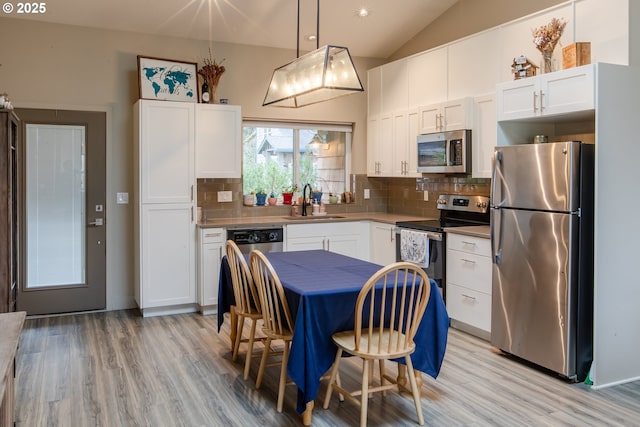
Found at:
<point>167,80</point>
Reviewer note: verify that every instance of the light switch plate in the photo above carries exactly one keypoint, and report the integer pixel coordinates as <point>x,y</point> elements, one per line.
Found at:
<point>225,196</point>
<point>425,197</point>
<point>122,198</point>
<point>367,193</point>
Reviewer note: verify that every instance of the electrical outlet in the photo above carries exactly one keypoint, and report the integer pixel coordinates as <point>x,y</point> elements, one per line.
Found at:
<point>225,196</point>
<point>425,197</point>
<point>367,193</point>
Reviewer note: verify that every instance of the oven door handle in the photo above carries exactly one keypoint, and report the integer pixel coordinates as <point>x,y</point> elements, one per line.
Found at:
<point>430,234</point>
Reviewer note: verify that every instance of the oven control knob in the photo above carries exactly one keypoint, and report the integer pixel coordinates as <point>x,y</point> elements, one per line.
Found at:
<point>273,236</point>
<point>254,238</point>
<point>442,202</point>
<point>481,204</point>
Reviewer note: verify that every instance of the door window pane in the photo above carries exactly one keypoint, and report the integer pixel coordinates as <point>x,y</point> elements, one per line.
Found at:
<point>55,205</point>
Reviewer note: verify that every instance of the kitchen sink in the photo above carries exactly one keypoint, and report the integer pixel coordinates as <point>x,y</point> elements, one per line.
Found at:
<point>312,217</point>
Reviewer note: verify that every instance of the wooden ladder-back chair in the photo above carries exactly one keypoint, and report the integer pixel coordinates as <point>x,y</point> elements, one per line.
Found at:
<point>399,304</point>
<point>277,322</point>
<point>247,302</point>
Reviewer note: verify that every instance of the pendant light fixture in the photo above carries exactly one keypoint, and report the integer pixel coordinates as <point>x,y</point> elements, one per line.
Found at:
<point>323,74</point>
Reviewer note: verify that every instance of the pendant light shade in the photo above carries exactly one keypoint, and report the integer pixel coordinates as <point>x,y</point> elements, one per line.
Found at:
<point>326,73</point>
<point>323,74</point>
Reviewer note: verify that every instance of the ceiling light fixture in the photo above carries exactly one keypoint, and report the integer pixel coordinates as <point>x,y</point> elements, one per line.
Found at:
<point>323,74</point>
<point>363,13</point>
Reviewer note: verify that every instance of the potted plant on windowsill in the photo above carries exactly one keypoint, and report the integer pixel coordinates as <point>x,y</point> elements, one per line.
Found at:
<point>273,200</point>
<point>287,194</point>
<point>261,197</point>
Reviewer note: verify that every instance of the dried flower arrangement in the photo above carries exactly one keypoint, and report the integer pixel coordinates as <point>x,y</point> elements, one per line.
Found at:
<point>211,71</point>
<point>546,38</point>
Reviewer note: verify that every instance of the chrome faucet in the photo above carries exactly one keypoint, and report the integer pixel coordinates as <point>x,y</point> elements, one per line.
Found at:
<point>304,199</point>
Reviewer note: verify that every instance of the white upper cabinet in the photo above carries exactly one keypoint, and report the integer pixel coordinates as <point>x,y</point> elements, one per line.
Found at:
<point>374,91</point>
<point>379,145</point>
<point>166,151</point>
<point>484,136</point>
<point>427,74</point>
<point>605,27</point>
<point>395,86</point>
<point>218,141</point>
<point>474,65</point>
<point>450,115</point>
<point>567,91</point>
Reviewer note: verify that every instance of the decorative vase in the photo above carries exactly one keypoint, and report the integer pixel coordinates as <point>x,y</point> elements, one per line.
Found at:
<point>212,94</point>
<point>261,199</point>
<point>333,199</point>
<point>287,198</point>
<point>547,62</point>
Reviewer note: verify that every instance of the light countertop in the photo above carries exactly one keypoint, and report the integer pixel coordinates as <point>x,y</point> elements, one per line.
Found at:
<point>475,230</point>
<point>264,221</point>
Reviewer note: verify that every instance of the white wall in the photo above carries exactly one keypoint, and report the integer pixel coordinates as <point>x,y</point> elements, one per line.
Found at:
<point>68,67</point>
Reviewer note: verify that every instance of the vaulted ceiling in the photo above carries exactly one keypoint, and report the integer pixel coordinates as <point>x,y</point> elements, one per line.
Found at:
<point>389,24</point>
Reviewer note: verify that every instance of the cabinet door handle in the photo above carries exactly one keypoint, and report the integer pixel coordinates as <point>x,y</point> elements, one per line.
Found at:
<point>212,234</point>
<point>469,297</point>
<point>469,261</point>
<point>328,244</point>
<point>220,252</point>
<point>541,101</point>
<point>191,213</point>
<point>192,192</point>
<point>468,243</point>
<point>535,102</point>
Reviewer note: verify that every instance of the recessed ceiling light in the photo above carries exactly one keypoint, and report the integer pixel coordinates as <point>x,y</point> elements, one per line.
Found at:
<point>311,37</point>
<point>363,13</point>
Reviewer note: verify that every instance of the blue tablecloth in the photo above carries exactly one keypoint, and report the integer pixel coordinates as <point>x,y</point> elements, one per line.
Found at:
<point>322,288</point>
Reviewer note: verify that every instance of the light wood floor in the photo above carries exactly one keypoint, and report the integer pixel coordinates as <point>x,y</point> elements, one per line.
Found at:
<point>118,369</point>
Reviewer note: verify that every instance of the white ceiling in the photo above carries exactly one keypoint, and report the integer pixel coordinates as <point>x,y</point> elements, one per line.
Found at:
<point>390,24</point>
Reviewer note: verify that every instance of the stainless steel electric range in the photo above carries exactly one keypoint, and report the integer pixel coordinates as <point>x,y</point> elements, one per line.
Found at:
<point>456,210</point>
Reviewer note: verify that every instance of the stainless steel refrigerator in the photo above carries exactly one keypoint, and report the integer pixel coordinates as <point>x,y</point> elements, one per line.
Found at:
<point>542,252</point>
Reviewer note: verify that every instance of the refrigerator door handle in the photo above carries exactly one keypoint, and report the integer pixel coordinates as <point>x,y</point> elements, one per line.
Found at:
<point>496,237</point>
<point>497,162</point>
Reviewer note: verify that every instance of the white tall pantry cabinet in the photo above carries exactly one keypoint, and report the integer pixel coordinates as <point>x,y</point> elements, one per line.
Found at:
<point>164,206</point>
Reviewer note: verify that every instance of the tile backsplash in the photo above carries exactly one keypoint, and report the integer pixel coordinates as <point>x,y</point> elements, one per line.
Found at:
<point>392,195</point>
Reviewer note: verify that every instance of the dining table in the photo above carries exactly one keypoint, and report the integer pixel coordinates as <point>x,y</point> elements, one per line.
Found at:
<point>321,289</point>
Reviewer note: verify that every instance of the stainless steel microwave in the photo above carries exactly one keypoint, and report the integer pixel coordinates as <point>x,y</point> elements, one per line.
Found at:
<point>445,152</point>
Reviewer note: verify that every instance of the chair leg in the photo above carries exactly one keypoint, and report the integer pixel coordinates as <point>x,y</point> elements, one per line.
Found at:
<point>249,356</point>
<point>236,344</point>
<point>414,389</point>
<point>364,399</point>
<point>332,378</point>
<point>263,362</point>
<point>283,375</point>
<point>382,380</point>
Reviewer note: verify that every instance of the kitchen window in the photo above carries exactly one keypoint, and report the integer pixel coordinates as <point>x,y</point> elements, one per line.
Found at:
<point>278,155</point>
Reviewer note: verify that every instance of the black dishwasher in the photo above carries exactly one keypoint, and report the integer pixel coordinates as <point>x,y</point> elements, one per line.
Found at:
<point>262,239</point>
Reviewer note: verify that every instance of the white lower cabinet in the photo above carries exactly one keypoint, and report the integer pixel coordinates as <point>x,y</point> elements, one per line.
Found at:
<point>166,282</point>
<point>383,243</point>
<point>469,283</point>
<point>339,237</point>
<point>211,249</point>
